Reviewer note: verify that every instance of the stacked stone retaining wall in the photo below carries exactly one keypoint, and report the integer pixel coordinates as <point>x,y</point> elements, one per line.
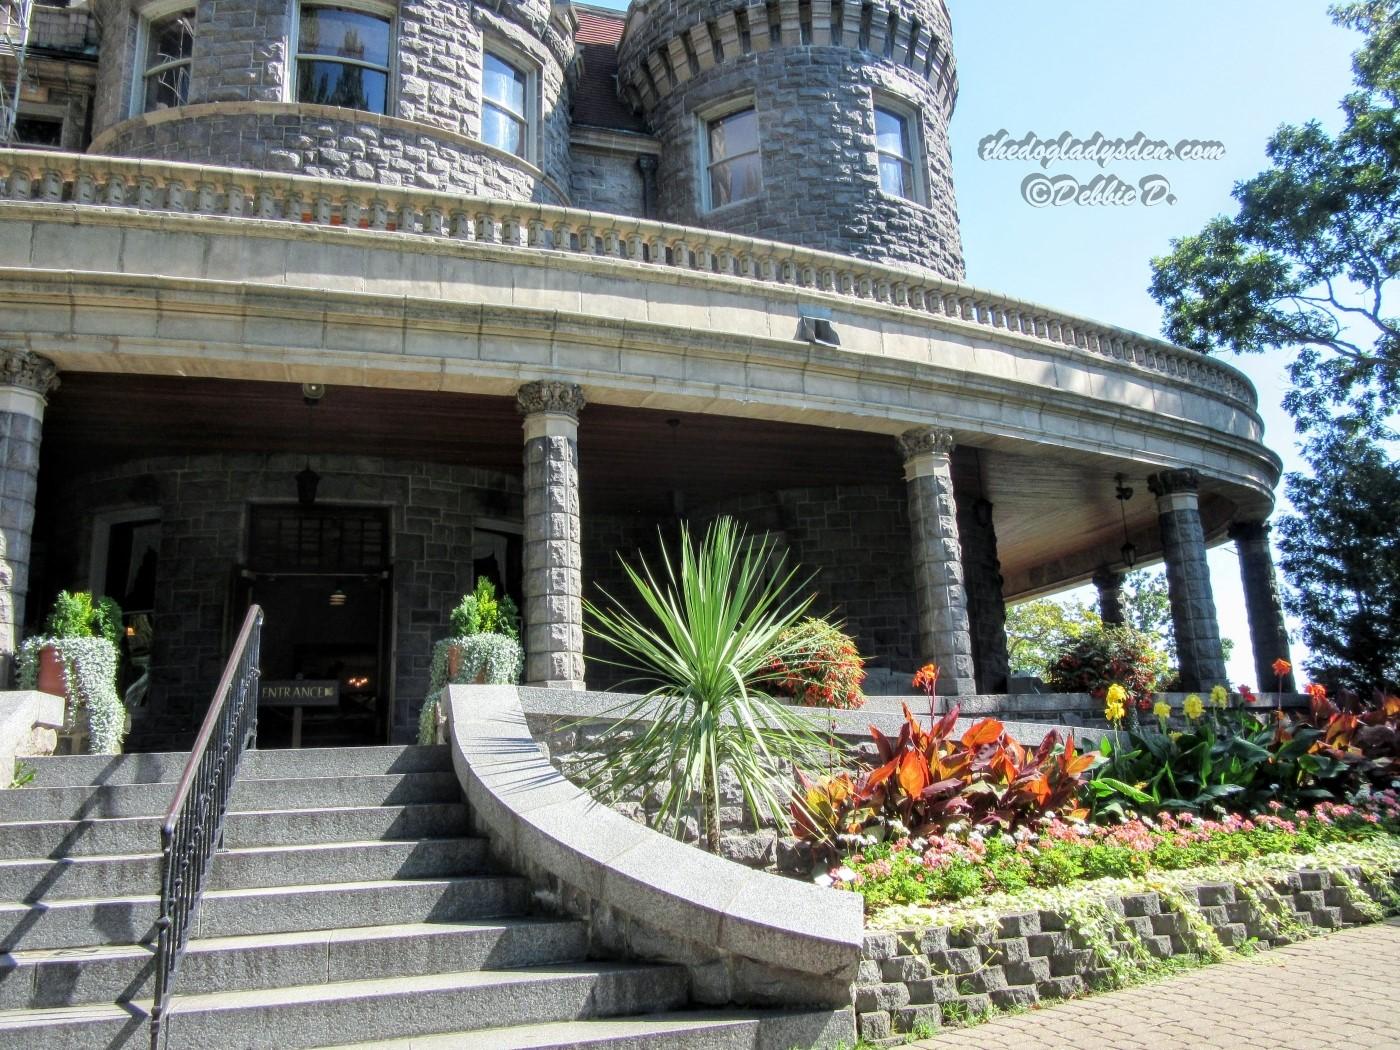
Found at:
<point>921,978</point>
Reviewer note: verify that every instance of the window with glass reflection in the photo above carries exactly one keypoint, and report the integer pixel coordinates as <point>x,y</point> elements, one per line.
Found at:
<point>165,69</point>
<point>732,161</point>
<point>895,147</point>
<point>505,113</point>
<point>343,58</point>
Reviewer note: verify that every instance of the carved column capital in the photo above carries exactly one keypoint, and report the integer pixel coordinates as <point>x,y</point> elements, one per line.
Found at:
<point>549,395</point>
<point>924,441</point>
<point>27,370</point>
<point>1170,482</point>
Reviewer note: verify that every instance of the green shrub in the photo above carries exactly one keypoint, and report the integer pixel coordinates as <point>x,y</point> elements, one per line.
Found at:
<point>1102,656</point>
<point>481,612</point>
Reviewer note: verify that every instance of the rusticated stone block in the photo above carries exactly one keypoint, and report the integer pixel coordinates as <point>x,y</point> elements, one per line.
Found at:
<point>911,1017</point>
<point>881,997</point>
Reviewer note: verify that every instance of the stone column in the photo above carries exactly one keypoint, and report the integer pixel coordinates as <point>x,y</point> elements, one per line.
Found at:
<point>553,584</point>
<point>1110,586</point>
<point>1268,635</point>
<point>1198,649</point>
<point>944,634</point>
<point>26,380</point>
<point>986,604</point>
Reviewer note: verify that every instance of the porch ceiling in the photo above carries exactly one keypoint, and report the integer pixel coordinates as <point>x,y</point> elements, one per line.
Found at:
<point>632,458</point>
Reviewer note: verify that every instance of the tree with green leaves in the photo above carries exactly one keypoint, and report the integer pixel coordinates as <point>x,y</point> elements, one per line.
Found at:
<point>1305,265</point>
<point>1303,270</point>
<point>1037,631</point>
<point>1341,550</point>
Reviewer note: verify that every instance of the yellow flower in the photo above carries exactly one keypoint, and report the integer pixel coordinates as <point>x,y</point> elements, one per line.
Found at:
<point>1219,697</point>
<point>1113,710</point>
<point>1193,706</point>
<point>1175,734</point>
<point>1162,709</point>
<point>1116,694</point>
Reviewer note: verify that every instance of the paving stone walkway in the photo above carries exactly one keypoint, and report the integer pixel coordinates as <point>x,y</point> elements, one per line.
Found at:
<point>1336,992</point>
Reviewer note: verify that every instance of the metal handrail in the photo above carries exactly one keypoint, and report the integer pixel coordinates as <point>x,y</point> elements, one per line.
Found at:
<point>194,823</point>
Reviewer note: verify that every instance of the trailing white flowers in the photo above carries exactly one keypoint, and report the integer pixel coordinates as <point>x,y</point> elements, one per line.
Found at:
<point>90,669</point>
<point>495,658</point>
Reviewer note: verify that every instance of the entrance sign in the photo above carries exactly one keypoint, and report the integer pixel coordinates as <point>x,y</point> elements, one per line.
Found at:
<point>300,693</point>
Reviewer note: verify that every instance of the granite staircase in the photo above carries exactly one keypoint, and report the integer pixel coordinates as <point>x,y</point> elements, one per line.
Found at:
<point>350,906</point>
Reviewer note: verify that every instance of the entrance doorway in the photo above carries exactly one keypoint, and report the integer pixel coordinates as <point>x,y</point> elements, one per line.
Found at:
<point>322,576</point>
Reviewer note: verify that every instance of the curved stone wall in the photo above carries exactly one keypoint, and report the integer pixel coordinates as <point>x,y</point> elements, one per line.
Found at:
<point>430,136</point>
<point>330,143</point>
<point>202,502</point>
<point>813,74</point>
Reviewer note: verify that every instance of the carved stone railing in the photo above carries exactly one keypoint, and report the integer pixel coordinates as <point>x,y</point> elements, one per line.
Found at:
<point>116,182</point>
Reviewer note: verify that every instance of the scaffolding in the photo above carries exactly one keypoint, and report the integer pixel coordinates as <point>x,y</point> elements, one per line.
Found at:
<point>15,18</point>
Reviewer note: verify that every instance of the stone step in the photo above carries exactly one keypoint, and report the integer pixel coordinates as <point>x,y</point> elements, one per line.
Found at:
<point>126,835</point>
<point>145,800</point>
<point>698,1030</point>
<point>276,764</point>
<point>318,1015</point>
<point>277,909</point>
<point>118,876</point>
<point>120,973</point>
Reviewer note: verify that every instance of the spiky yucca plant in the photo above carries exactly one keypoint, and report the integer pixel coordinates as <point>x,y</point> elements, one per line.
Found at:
<point>715,617</point>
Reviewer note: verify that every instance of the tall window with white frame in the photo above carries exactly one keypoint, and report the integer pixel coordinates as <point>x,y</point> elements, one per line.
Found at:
<point>165,62</point>
<point>505,109</point>
<point>896,145</point>
<point>343,57</point>
<point>732,166</point>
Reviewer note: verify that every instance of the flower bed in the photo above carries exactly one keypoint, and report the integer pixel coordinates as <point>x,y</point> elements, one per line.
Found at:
<point>967,862</point>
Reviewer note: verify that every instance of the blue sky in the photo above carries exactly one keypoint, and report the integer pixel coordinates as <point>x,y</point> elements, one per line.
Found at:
<point>1226,70</point>
<point>1201,69</point>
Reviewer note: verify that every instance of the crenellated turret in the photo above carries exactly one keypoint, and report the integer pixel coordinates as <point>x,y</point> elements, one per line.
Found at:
<point>820,122</point>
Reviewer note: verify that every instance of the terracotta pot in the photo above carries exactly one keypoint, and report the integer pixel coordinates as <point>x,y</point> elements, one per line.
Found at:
<point>51,677</point>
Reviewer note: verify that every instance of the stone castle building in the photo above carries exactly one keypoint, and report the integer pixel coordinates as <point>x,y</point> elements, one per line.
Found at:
<point>284,279</point>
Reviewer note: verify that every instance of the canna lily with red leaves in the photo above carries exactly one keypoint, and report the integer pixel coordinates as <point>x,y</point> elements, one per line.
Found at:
<point>931,778</point>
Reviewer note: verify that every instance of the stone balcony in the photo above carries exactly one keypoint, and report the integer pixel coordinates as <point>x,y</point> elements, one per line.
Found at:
<point>144,267</point>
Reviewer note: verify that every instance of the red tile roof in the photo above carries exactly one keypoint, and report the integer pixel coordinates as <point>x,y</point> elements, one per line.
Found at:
<point>596,102</point>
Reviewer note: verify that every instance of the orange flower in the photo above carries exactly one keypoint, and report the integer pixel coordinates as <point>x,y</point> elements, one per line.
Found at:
<point>926,678</point>
<point>1316,691</point>
<point>1281,667</point>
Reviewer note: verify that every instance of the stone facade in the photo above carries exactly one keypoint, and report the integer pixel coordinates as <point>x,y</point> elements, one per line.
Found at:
<point>852,539</point>
<point>1201,659</point>
<point>26,379</point>
<point>919,977</point>
<point>202,503</point>
<point>603,180</point>
<point>240,55</point>
<point>1109,584</point>
<point>986,606</point>
<point>332,143</point>
<point>814,98</point>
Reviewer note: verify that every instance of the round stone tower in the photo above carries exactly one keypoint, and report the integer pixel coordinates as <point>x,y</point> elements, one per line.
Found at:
<point>433,94</point>
<point>818,122</point>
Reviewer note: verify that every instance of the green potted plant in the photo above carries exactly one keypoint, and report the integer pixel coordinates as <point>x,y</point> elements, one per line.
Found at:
<point>77,657</point>
<point>484,648</point>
